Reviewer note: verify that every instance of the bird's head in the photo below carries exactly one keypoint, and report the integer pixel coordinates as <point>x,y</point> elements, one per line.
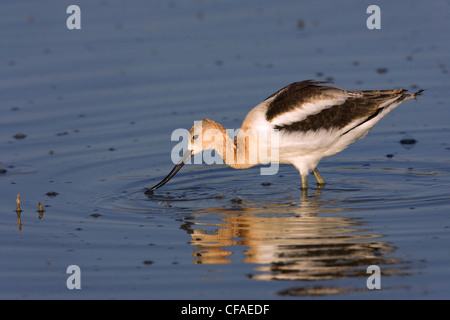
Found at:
<point>206,135</point>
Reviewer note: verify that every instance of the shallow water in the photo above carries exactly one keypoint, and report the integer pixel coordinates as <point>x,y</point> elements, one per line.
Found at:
<point>85,127</point>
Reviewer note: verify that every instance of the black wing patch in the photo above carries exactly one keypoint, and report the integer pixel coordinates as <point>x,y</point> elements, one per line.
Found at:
<point>359,108</point>
<point>292,96</point>
<point>336,117</point>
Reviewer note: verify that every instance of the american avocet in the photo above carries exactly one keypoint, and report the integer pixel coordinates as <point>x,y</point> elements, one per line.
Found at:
<point>313,121</point>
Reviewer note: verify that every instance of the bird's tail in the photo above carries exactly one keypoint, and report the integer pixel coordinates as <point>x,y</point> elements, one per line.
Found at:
<point>414,95</point>
<point>418,93</point>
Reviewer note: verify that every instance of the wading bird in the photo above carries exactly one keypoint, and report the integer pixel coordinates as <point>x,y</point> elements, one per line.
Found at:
<point>312,121</point>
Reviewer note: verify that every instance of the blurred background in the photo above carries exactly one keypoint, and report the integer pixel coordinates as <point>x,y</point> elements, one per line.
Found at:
<point>86,118</point>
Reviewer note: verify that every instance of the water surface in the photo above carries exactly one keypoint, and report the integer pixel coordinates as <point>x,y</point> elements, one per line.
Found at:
<point>86,123</point>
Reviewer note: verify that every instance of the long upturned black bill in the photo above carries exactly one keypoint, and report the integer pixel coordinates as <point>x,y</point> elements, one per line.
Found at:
<point>174,171</point>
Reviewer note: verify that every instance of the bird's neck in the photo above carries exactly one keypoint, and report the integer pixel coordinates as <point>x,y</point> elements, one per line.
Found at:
<point>237,153</point>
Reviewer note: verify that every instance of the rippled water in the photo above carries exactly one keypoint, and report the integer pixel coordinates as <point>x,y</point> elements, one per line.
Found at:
<point>86,123</point>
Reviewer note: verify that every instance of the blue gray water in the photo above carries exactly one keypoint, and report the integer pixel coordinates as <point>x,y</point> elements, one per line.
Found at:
<point>86,123</point>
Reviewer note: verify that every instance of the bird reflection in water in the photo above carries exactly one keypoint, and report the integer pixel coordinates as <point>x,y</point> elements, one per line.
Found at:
<point>305,240</point>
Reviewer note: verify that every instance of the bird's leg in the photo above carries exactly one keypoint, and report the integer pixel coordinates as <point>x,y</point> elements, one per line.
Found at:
<point>319,178</point>
<point>304,187</point>
<point>304,182</point>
